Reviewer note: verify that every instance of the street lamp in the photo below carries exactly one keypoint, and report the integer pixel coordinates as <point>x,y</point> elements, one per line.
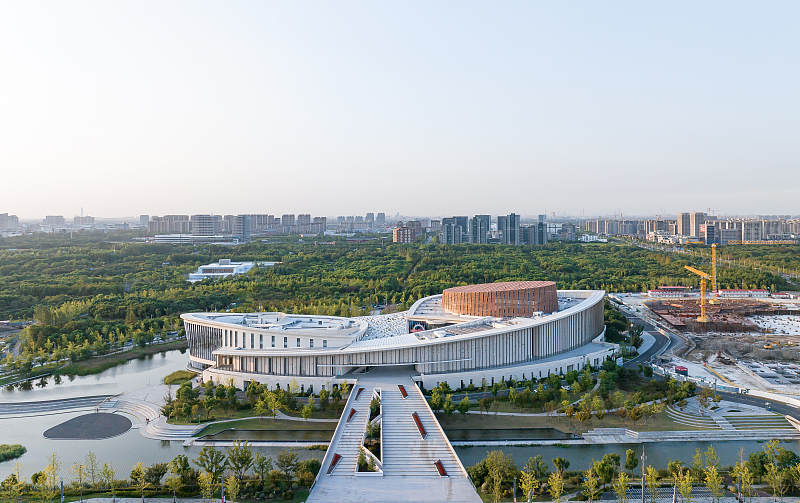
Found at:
<point>643,460</point>
<point>515,489</point>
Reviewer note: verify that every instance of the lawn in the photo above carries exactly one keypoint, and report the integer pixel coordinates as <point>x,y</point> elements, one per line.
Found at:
<point>266,424</point>
<point>218,415</point>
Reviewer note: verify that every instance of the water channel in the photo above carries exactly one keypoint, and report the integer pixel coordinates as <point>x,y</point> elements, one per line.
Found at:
<point>126,450</point>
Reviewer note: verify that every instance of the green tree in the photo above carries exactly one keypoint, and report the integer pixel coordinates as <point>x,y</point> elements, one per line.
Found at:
<point>207,485</point>
<point>262,466</point>
<point>591,484</point>
<point>651,480</point>
<point>48,482</point>
<point>92,469</point>
<point>307,411</point>
<point>776,479</point>
<point>463,407</point>
<point>555,486</point>
<point>287,462</point>
<point>212,462</point>
<point>713,482</point>
<point>499,466</point>
<point>621,488</point>
<point>240,458</point>
<point>138,478</point>
<point>232,487</point>
<point>685,486</point>
<point>449,406</point>
<point>560,464</point>
<point>631,461</point>
<point>436,401</point>
<point>528,480</point>
<point>324,399</point>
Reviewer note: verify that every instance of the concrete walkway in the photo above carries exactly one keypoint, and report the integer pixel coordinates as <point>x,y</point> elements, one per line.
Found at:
<point>47,407</point>
<point>409,473</point>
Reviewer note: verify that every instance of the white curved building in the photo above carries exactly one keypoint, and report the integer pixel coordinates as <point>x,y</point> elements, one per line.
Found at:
<point>276,348</point>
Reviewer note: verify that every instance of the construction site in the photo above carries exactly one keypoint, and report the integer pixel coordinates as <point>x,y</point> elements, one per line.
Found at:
<point>742,328</point>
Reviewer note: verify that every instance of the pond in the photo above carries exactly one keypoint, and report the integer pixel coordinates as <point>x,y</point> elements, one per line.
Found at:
<point>581,456</point>
<point>122,451</point>
<point>150,369</point>
<point>273,435</point>
<point>510,434</point>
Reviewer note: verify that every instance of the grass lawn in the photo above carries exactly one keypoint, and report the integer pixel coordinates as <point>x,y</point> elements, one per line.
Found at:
<point>219,415</point>
<point>266,424</point>
<point>659,422</point>
<point>179,377</point>
<point>317,414</point>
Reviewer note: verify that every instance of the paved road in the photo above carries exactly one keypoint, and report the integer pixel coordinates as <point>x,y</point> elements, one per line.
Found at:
<point>661,341</point>
<point>778,407</point>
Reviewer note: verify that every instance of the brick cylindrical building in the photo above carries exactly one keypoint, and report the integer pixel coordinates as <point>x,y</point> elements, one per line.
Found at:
<point>513,298</point>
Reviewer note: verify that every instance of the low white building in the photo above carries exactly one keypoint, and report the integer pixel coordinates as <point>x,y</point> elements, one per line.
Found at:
<point>221,269</point>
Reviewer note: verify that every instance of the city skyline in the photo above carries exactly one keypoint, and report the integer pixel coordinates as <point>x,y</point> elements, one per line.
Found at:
<point>586,108</point>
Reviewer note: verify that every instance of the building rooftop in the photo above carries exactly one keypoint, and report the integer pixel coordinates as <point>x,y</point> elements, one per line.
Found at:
<point>500,287</point>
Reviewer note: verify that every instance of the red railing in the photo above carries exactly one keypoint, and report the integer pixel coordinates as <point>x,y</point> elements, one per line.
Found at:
<point>358,394</point>
<point>419,425</point>
<point>352,413</point>
<point>403,390</point>
<point>440,468</point>
<point>336,458</point>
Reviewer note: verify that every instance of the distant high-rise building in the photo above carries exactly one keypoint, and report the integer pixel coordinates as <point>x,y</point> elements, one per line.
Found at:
<point>144,220</point>
<point>543,218</point>
<point>451,232</point>
<point>696,219</point>
<point>416,226</point>
<point>54,220</point>
<point>403,235</point>
<point>206,225</point>
<point>87,220</point>
<point>8,222</point>
<point>350,218</point>
<point>359,218</point>
<point>303,219</point>
<point>241,228</point>
<point>508,227</point>
<point>463,222</point>
<point>684,227</point>
<point>287,220</point>
<point>370,217</point>
<point>380,219</point>
<point>479,228</point>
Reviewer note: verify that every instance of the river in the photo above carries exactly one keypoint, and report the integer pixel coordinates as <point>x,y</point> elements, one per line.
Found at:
<point>126,450</point>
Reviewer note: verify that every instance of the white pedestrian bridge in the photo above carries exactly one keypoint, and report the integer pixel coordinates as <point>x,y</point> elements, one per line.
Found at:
<point>418,463</point>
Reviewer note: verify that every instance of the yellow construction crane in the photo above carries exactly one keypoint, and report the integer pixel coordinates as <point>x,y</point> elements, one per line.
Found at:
<point>703,318</point>
<point>714,290</point>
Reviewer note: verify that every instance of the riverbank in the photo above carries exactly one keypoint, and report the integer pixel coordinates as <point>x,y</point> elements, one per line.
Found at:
<point>94,365</point>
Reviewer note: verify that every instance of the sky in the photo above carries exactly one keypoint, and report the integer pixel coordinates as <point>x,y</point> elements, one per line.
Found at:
<point>422,108</point>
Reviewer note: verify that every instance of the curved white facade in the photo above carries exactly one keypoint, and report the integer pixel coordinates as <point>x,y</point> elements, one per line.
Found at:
<point>276,348</point>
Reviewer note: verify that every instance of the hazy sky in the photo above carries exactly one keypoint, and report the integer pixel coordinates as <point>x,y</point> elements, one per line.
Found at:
<point>413,107</point>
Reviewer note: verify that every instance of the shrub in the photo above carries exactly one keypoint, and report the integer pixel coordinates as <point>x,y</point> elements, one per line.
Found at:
<point>11,451</point>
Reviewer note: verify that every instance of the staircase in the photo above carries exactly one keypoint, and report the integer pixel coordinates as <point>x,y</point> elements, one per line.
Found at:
<point>154,425</point>
<point>401,436</point>
<point>409,471</point>
<point>352,434</point>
